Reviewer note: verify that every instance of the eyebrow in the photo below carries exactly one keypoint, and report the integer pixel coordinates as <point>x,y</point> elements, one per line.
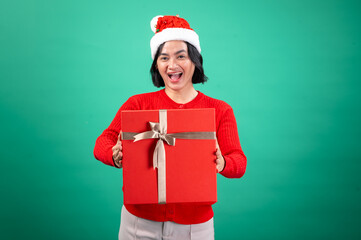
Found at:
<point>166,54</point>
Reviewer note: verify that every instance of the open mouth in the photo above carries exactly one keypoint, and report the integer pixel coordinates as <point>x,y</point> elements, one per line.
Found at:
<point>175,76</point>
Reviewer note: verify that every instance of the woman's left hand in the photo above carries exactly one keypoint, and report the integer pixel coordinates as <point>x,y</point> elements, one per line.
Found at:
<point>220,160</point>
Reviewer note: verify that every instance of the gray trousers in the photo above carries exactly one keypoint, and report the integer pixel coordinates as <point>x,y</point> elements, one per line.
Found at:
<point>135,228</point>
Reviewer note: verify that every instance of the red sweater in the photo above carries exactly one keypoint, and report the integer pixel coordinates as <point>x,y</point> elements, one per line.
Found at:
<point>228,141</point>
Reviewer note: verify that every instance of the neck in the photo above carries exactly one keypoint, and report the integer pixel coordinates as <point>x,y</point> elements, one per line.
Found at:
<point>181,96</point>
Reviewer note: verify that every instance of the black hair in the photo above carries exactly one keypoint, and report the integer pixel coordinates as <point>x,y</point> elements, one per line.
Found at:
<point>196,58</point>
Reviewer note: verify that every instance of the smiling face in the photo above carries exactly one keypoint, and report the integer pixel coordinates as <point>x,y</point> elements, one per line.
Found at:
<point>175,66</point>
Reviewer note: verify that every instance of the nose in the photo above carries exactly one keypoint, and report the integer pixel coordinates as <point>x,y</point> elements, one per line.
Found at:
<point>172,63</point>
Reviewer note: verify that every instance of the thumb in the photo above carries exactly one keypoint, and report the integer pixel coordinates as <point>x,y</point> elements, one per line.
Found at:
<point>217,145</point>
<point>120,135</point>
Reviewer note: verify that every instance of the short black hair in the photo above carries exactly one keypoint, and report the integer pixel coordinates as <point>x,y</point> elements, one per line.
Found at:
<point>196,58</point>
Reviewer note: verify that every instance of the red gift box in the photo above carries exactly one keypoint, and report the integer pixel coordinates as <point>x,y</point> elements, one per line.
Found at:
<point>168,156</point>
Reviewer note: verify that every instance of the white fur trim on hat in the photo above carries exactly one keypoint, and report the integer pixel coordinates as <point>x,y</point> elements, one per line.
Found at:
<point>170,34</point>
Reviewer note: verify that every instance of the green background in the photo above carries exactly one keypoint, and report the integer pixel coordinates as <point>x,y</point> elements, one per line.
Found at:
<point>289,69</point>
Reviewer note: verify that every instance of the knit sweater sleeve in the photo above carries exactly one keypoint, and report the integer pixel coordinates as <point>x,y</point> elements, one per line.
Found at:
<point>105,142</point>
<point>228,140</point>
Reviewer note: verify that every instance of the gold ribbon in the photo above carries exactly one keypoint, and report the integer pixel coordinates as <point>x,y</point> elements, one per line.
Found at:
<point>159,131</point>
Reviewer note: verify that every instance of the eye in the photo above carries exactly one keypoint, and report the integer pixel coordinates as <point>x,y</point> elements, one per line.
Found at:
<point>181,56</point>
<point>163,58</point>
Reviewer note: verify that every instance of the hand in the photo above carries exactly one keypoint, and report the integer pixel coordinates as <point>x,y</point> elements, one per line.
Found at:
<point>220,163</point>
<point>118,153</point>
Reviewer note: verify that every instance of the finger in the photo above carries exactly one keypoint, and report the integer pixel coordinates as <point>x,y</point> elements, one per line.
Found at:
<point>115,151</point>
<point>218,153</point>
<point>219,161</point>
<point>115,148</point>
<point>219,166</point>
<point>118,156</point>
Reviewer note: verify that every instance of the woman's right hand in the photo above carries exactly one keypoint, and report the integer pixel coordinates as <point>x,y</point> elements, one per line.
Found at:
<point>118,153</point>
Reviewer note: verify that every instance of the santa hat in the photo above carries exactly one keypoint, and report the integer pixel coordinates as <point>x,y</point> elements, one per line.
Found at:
<point>167,28</point>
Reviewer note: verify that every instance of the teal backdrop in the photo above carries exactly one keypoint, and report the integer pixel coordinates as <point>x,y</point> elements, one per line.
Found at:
<point>290,70</point>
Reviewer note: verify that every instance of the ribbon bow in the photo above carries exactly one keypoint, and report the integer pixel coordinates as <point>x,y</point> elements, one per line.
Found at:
<point>158,130</point>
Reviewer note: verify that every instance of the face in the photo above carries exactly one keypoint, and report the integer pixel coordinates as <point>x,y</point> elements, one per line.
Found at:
<point>175,66</point>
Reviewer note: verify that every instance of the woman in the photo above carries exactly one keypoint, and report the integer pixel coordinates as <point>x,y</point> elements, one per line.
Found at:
<point>177,65</point>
